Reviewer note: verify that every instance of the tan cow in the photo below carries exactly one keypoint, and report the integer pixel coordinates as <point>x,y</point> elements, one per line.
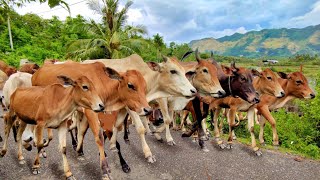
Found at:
<point>265,83</point>
<point>49,107</point>
<point>295,85</point>
<point>116,91</point>
<point>164,80</point>
<point>30,68</point>
<point>204,78</point>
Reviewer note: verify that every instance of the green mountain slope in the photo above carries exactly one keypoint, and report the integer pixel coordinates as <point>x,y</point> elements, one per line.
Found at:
<point>267,42</point>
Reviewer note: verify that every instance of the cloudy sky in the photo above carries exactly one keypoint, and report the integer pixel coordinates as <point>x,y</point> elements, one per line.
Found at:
<point>185,20</point>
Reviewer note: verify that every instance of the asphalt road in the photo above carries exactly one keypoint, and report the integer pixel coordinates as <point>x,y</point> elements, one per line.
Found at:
<point>182,161</point>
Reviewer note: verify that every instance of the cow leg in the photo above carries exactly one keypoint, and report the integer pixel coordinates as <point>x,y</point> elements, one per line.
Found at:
<point>73,139</point>
<point>126,130</point>
<point>145,122</point>
<point>264,110</point>
<point>231,121</point>
<point>50,137</point>
<point>250,116</point>
<point>167,117</point>
<point>184,119</point>
<point>120,119</point>
<point>82,128</point>
<point>141,131</point>
<point>22,127</point>
<point>124,165</point>
<point>9,119</point>
<point>202,137</point>
<point>62,135</point>
<point>262,123</point>
<point>94,125</point>
<point>38,138</point>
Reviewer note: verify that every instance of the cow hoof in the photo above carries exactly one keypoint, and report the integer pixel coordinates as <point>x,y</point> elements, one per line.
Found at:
<point>35,171</point>
<point>22,161</point>
<point>263,144</point>
<point>151,159</point>
<point>194,140</point>
<point>258,153</point>
<point>171,143</point>
<point>113,149</point>
<point>127,141</point>
<point>43,154</point>
<point>71,178</point>
<point>1,139</point>
<point>204,138</point>
<point>160,140</point>
<point>185,135</point>
<point>222,146</point>
<point>74,147</point>
<point>106,177</point>
<point>205,149</point>
<point>29,148</point>
<point>149,133</point>
<point>3,152</point>
<point>234,137</point>
<point>229,146</point>
<point>126,168</point>
<point>81,157</point>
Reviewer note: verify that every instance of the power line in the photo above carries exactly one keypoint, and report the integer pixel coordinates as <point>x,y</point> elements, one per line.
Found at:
<point>60,7</point>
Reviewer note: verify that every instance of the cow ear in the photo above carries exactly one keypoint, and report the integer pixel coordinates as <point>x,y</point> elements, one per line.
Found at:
<point>113,74</point>
<point>256,73</point>
<point>190,74</point>
<point>66,81</point>
<point>227,70</point>
<point>283,75</point>
<point>154,66</point>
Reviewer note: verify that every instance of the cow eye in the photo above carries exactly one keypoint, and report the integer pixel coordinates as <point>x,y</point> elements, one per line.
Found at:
<point>131,86</point>
<point>269,78</point>
<point>85,88</point>
<point>299,82</point>
<point>243,78</point>
<point>173,72</point>
<point>205,70</point>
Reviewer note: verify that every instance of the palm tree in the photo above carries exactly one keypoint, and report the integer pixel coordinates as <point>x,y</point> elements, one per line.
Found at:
<point>111,38</point>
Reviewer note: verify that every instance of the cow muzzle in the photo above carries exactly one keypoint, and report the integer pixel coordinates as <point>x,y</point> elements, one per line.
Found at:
<point>100,109</point>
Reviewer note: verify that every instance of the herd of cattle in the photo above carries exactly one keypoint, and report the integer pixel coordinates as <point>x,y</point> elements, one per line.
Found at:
<point>106,92</point>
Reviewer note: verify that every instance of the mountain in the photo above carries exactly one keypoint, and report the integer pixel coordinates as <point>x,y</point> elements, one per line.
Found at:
<point>267,42</point>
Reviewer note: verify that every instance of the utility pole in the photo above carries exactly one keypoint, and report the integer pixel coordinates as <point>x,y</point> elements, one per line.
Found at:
<point>10,35</point>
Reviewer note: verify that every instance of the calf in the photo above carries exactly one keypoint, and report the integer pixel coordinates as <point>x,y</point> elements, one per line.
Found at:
<point>295,85</point>
<point>30,68</point>
<point>49,107</point>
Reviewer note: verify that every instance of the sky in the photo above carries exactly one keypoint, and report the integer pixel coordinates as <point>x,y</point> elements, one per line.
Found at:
<point>184,20</point>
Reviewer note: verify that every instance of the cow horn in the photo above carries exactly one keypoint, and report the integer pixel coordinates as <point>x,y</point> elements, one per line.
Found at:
<point>164,58</point>
<point>301,68</point>
<point>187,54</point>
<point>197,55</point>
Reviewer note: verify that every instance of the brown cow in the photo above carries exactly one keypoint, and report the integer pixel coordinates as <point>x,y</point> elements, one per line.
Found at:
<point>30,68</point>
<point>49,107</point>
<point>295,85</point>
<point>7,69</point>
<point>129,89</point>
<point>266,83</point>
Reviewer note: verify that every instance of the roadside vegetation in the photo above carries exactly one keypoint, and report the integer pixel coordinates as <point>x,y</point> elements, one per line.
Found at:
<point>37,39</point>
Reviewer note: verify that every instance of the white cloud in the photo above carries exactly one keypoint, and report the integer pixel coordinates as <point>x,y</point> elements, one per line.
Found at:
<point>310,18</point>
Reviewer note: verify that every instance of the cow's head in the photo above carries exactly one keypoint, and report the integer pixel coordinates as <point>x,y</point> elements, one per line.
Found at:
<point>172,79</point>
<point>85,94</point>
<point>297,85</point>
<point>132,90</point>
<point>10,70</point>
<point>267,83</point>
<point>239,83</point>
<point>204,77</point>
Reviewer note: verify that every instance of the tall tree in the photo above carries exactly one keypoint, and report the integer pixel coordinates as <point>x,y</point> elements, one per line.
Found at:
<point>111,38</point>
